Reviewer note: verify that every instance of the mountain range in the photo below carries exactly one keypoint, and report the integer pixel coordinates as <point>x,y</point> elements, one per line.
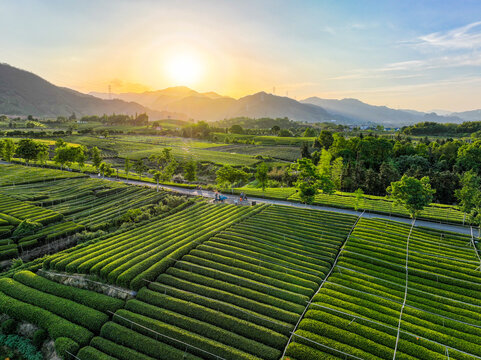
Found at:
<point>23,93</point>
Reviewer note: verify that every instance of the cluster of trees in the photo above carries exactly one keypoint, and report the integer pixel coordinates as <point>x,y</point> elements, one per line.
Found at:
<point>372,163</point>
<point>118,119</point>
<point>26,149</point>
<point>433,128</point>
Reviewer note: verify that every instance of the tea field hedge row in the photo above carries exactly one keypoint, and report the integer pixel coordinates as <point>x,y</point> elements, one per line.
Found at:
<point>129,258</point>
<point>376,204</point>
<point>18,174</point>
<point>237,294</point>
<point>24,210</point>
<point>63,311</point>
<point>357,311</point>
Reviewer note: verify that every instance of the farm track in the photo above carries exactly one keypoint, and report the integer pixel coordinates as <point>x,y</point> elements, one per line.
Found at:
<point>210,195</point>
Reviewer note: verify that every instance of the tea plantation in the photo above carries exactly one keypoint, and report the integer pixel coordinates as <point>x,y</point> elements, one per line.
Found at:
<point>196,280</point>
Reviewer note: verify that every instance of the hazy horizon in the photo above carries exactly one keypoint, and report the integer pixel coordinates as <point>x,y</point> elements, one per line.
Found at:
<point>409,55</point>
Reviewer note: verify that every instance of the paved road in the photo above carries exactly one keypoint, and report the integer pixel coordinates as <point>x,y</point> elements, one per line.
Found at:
<point>210,194</point>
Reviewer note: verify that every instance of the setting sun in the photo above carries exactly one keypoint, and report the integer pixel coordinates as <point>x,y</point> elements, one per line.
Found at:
<point>184,69</point>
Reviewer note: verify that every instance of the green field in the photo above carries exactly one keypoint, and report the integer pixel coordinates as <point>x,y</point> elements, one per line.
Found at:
<point>215,281</point>
<point>370,203</point>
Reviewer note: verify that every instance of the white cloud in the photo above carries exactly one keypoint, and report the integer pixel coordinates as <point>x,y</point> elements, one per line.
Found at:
<point>465,37</point>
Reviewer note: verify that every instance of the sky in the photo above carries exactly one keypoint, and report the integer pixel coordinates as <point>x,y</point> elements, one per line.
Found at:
<point>422,55</point>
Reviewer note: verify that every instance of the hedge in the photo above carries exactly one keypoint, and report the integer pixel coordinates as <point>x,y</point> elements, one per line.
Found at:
<point>90,353</point>
<point>215,317</point>
<point>118,351</point>
<point>204,329</point>
<point>65,346</point>
<point>88,298</point>
<point>80,314</point>
<point>55,325</point>
<point>196,341</point>
<point>142,343</point>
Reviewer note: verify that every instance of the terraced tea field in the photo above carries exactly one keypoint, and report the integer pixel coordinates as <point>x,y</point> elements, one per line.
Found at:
<point>396,292</point>
<point>371,203</point>
<point>219,281</point>
<point>64,206</point>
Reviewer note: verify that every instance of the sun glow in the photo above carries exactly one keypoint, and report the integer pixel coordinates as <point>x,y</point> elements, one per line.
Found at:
<point>184,69</point>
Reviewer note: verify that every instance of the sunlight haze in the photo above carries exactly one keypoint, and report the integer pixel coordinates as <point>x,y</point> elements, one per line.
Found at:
<point>410,54</point>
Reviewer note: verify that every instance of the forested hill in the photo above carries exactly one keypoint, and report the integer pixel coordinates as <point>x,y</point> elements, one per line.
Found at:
<point>23,93</point>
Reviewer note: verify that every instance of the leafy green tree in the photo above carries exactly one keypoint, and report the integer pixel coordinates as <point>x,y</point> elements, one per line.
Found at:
<point>140,168</point>
<point>284,133</point>
<point>337,171</point>
<point>236,129</point>
<point>106,169</point>
<point>157,175</point>
<point>261,175</point>
<point>80,155</point>
<point>305,150</point>
<point>27,150</point>
<point>60,143</point>
<point>42,154</point>
<point>96,157</point>
<point>227,176</point>
<point>307,179</point>
<point>169,170</point>
<point>190,170</point>
<point>469,194</point>
<point>325,139</point>
<point>9,148</point>
<point>359,198</point>
<point>309,132</point>
<point>412,193</point>
<point>65,155</point>
<point>127,167</point>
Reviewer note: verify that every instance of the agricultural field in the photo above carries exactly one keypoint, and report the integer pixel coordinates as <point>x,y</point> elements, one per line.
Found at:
<point>183,149</point>
<point>196,280</point>
<point>370,203</point>
<point>396,292</point>
<point>60,206</point>
<point>14,175</point>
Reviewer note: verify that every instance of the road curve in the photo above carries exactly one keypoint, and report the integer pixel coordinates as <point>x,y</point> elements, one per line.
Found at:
<point>210,194</point>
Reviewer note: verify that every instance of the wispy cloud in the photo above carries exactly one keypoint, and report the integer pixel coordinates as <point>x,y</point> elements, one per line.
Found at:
<point>465,37</point>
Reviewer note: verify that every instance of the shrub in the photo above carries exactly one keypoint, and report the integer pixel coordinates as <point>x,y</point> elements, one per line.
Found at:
<point>9,326</point>
<point>88,298</point>
<point>39,338</point>
<point>55,325</point>
<point>91,353</point>
<point>65,346</point>
<point>26,227</point>
<point>77,313</point>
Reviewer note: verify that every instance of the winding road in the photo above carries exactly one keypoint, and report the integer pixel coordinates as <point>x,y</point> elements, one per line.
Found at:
<point>210,195</point>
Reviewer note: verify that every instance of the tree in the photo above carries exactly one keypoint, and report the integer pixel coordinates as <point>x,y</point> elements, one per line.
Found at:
<point>60,143</point>
<point>140,168</point>
<point>106,169</point>
<point>326,139</point>
<point>127,167</point>
<point>42,153</point>
<point>227,176</point>
<point>359,197</point>
<point>65,155</point>
<point>412,193</point>
<point>96,157</point>
<point>468,195</point>
<point>236,129</point>
<point>162,159</point>
<point>337,171</point>
<point>157,175</point>
<point>305,150</point>
<point>168,170</point>
<point>9,148</point>
<point>27,150</point>
<point>284,133</point>
<point>80,155</point>
<point>190,170</point>
<point>261,175</point>
<point>307,179</point>
<point>309,132</point>
<point>275,129</point>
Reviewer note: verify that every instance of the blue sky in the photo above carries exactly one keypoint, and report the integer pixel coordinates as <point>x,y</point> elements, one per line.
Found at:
<point>406,54</point>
